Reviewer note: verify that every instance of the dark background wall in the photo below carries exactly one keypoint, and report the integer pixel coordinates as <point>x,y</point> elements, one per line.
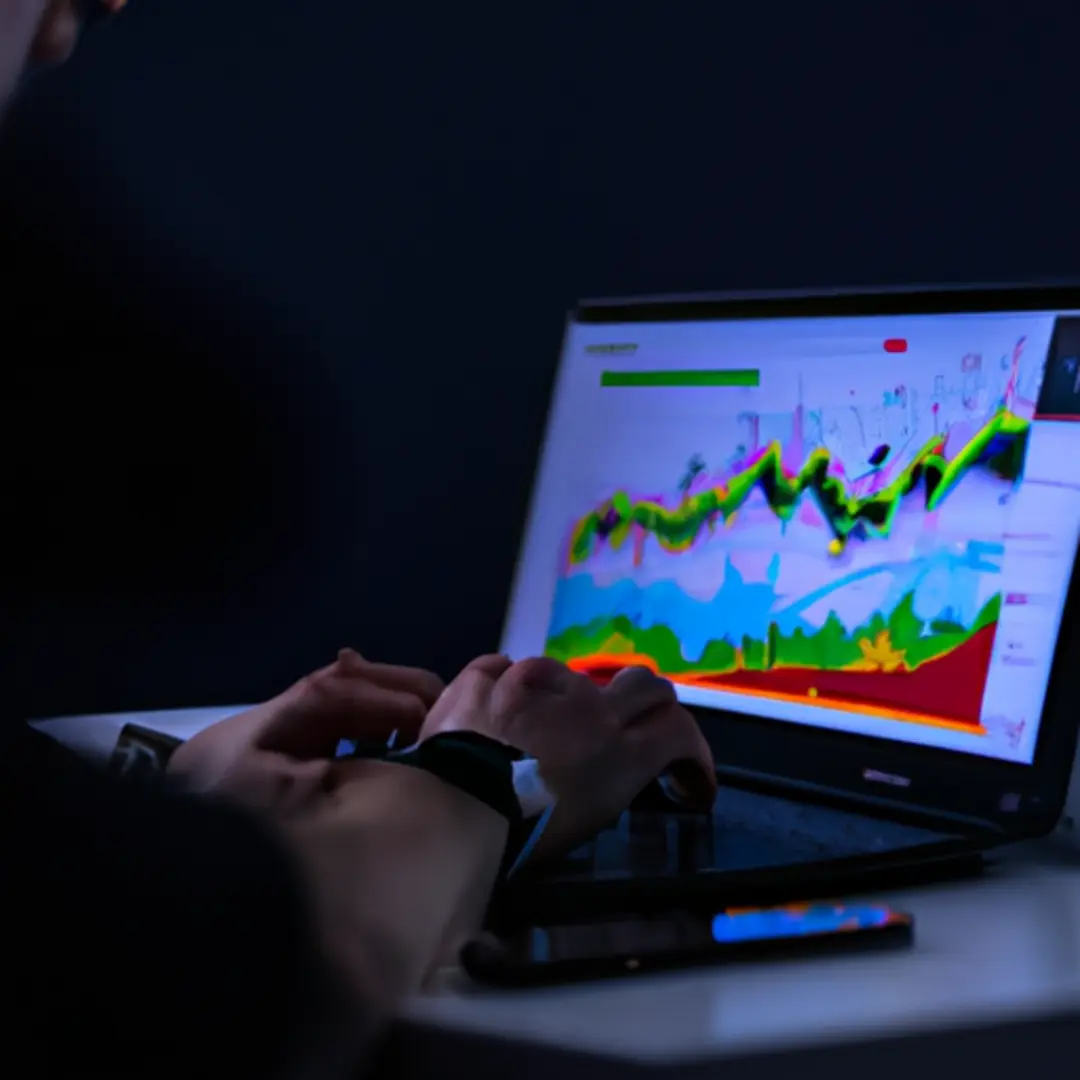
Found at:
<point>291,278</point>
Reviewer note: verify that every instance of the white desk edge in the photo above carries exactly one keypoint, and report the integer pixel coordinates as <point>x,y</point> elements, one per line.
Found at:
<point>1006,947</point>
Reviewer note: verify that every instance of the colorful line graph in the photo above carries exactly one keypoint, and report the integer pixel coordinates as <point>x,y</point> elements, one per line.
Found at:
<point>999,445</point>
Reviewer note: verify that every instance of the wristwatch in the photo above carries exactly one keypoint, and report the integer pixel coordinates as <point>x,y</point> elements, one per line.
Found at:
<point>498,775</point>
<point>478,765</point>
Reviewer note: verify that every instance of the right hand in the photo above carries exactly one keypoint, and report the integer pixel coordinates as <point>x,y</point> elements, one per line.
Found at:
<point>596,748</point>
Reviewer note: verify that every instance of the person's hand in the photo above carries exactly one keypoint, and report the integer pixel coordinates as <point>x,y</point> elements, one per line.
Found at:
<point>596,748</point>
<point>394,861</point>
<point>278,755</point>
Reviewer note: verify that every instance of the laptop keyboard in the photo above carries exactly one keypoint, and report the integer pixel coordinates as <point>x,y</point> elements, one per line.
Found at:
<point>746,831</point>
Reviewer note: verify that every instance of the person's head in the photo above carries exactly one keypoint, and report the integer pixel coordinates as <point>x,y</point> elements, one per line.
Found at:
<point>39,32</point>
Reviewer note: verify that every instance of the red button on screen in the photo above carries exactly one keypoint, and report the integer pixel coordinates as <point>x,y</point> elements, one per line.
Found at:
<point>895,345</point>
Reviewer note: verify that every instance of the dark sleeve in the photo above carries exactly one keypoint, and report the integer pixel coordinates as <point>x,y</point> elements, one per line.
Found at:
<point>147,933</point>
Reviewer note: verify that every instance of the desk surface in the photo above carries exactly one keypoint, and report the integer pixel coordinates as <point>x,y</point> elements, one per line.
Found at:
<point>1006,947</point>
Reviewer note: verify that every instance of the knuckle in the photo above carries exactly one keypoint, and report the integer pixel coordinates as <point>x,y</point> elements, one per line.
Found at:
<point>665,688</point>
<point>491,664</point>
<point>465,693</point>
<point>314,685</point>
<point>542,673</point>
<point>640,681</point>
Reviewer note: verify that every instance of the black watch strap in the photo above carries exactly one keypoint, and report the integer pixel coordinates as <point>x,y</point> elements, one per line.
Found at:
<point>488,770</point>
<point>480,766</point>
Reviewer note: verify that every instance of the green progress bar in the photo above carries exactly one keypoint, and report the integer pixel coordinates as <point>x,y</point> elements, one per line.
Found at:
<point>734,377</point>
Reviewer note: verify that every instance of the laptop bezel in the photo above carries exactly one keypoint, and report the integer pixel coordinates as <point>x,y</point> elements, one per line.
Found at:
<point>954,790</point>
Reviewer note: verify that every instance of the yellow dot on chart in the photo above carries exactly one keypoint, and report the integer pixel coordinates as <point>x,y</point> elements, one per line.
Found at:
<point>812,692</point>
<point>835,547</point>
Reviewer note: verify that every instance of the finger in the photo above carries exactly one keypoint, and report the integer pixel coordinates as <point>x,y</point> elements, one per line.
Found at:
<point>491,665</point>
<point>426,685</point>
<point>533,688</point>
<point>543,673</point>
<point>465,703</point>
<point>636,691</point>
<point>668,740</point>
<point>342,709</point>
<point>694,782</point>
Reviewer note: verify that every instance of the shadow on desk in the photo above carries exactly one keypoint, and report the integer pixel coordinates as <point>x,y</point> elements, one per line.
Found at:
<point>1044,1048</point>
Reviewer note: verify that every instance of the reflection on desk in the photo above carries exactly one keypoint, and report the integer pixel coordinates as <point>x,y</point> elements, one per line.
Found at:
<point>1005,947</point>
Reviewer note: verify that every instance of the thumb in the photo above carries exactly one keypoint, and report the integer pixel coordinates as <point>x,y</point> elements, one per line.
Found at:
<point>536,683</point>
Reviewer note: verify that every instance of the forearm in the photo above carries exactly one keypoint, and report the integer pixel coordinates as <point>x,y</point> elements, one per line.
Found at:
<point>424,857</point>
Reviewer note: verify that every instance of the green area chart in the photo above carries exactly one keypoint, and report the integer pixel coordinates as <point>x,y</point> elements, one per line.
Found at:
<point>999,445</point>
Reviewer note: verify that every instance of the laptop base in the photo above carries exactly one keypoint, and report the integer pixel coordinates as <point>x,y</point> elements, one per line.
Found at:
<point>754,849</point>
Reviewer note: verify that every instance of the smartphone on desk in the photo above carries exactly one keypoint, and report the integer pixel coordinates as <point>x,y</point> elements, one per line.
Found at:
<point>572,953</point>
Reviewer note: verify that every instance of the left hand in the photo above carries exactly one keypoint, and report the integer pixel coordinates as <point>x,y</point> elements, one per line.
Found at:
<point>279,755</point>
<point>596,748</point>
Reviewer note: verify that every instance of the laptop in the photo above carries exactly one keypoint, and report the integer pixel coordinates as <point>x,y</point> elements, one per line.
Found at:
<point>845,526</point>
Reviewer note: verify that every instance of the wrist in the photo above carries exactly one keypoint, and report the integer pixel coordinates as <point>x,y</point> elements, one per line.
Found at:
<point>395,858</point>
<point>412,807</point>
<point>496,774</point>
<point>475,764</point>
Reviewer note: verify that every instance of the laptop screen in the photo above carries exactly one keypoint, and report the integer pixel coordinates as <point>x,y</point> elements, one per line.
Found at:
<point>865,524</point>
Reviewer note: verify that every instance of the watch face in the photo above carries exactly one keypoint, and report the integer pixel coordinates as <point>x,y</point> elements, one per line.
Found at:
<point>140,752</point>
